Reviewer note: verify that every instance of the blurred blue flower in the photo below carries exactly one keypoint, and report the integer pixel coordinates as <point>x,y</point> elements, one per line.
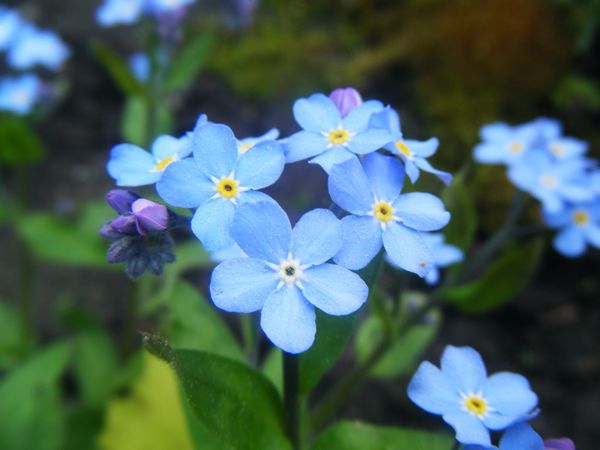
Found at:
<point>131,165</point>
<point>564,148</point>
<point>10,23</point>
<point>34,47</point>
<point>505,144</point>
<point>166,6</point>
<point>411,152</point>
<point>552,182</point>
<point>286,275</point>
<point>19,94</point>
<point>518,437</point>
<point>444,255</point>
<point>379,215</point>
<point>467,399</point>
<point>346,99</point>
<point>247,143</point>
<point>126,12</point>
<point>579,226</point>
<point>216,181</point>
<point>139,63</point>
<point>328,138</point>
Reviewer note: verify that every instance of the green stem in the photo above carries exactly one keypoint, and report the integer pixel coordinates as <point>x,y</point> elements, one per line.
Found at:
<point>292,402</point>
<point>456,445</point>
<point>250,337</point>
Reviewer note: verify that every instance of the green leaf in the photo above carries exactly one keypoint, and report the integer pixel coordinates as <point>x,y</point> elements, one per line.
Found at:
<point>118,69</point>
<point>134,122</point>
<point>20,145</point>
<point>189,62</point>
<point>333,333</point>
<point>502,281</point>
<point>238,405</point>
<point>10,335</point>
<point>272,368</point>
<point>362,436</point>
<point>195,325</point>
<point>463,224</point>
<point>31,410</point>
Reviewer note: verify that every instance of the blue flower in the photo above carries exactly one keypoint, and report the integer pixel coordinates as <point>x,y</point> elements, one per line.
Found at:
<point>563,148</point>
<point>247,143</point>
<point>217,181</point>
<point>130,165</point>
<point>166,6</point>
<point>19,94</point>
<point>444,255</point>
<point>552,182</point>
<point>505,144</point>
<point>139,63</point>
<point>379,215</point>
<point>518,437</point>
<point>33,47</point>
<point>467,399</point>
<point>412,153</point>
<point>10,23</point>
<point>328,138</point>
<point>119,12</point>
<point>286,275</point>
<point>579,226</point>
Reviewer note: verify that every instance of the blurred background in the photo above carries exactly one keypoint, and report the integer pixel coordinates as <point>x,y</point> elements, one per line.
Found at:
<point>448,67</point>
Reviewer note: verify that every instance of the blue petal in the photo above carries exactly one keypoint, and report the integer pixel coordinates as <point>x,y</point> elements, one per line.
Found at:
<point>433,276</point>
<point>317,237</point>
<point>490,153</point>
<point>184,185</point>
<point>424,149</point>
<point>130,165</point>
<point>412,171</point>
<point>288,320</point>
<point>212,224</point>
<point>303,145</point>
<point>349,187</point>
<point>361,242</point>
<point>317,113</point>
<point>498,131</point>
<point>358,118</point>
<point>388,119</point>
<point>430,390</point>
<point>570,242</point>
<point>242,285</point>
<point>330,158</point>
<point>446,255</point>
<point>385,175</point>
<point>261,166</point>
<point>168,146</point>
<point>469,429</point>
<point>521,437</point>
<point>407,249</point>
<point>370,140</point>
<point>464,368</point>
<point>215,149</point>
<point>254,197</point>
<point>420,211</point>
<point>263,231</point>
<point>592,233</point>
<point>510,395</point>
<point>334,289</point>
<point>423,164</point>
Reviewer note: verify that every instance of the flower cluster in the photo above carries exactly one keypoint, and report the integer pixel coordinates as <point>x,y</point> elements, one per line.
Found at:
<point>266,264</point>
<point>554,169</point>
<point>27,47</point>
<point>474,404</point>
<point>127,12</point>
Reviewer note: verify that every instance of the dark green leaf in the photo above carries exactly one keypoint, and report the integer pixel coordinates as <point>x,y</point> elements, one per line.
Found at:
<point>118,69</point>
<point>189,62</point>
<point>502,281</point>
<point>10,335</point>
<point>362,436</point>
<point>463,224</point>
<point>20,145</point>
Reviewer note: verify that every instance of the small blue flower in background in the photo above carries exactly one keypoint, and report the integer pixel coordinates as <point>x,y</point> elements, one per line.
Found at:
<point>131,165</point>
<point>19,94</point>
<point>467,399</point>
<point>34,47</point>
<point>579,226</point>
<point>564,148</point>
<point>10,23</point>
<point>444,255</point>
<point>552,182</point>
<point>247,143</point>
<point>518,437</point>
<point>216,181</point>
<point>119,12</point>
<point>166,6</point>
<point>328,138</point>
<point>505,144</point>
<point>139,63</point>
<point>286,275</point>
<point>379,215</point>
<point>412,153</point>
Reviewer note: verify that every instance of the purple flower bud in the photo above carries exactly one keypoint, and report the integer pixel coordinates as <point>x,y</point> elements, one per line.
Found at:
<point>109,232</point>
<point>559,444</point>
<point>123,224</point>
<point>120,200</point>
<point>346,99</point>
<point>149,216</point>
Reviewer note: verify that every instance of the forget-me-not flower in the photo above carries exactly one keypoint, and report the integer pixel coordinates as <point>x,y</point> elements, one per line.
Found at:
<point>131,165</point>
<point>216,181</point>
<point>518,437</point>
<point>34,47</point>
<point>579,226</point>
<point>328,138</point>
<point>10,23</point>
<point>563,148</point>
<point>126,12</point>
<point>139,63</point>
<point>467,399</point>
<point>19,94</point>
<point>411,152</point>
<point>247,143</point>
<point>444,255</point>
<point>505,144</point>
<point>286,274</point>
<point>379,215</point>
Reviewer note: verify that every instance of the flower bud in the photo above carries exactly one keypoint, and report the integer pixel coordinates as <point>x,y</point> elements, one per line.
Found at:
<point>559,444</point>
<point>120,200</point>
<point>109,232</point>
<point>123,224</point>
<point>149,216</point>
<point>346,99</point>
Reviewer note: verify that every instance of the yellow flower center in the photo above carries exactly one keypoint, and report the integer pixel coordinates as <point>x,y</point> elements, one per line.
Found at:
<point>383,211</point>
<point>557,149</point>
<point>243,148</point>
<point>338,137</point>
<point>403,148</point>
<point>476,405</point>
<point>164,163</point>
<point>549,181</point>
<point>516,147</point>
<point>228,188</point>
<point>580,217</point>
